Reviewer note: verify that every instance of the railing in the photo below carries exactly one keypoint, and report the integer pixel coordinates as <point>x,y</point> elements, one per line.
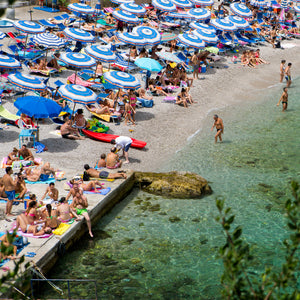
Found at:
<point>60,290</point>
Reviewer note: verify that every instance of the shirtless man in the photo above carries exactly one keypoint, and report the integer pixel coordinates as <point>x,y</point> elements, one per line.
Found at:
<point>20,187</point>
<point>101,163</point>
<point>52,192</point>
<point>284,99</point>
<point>80,204</point>
<point>103,174</point>
<point>288,75</point>
<point>282,69</point>
<point>25,153</point>
<point>9,187</point>
<point>220,128</point>
<point>113,160</point>
<point>68,132</point>
<point>196,65</point>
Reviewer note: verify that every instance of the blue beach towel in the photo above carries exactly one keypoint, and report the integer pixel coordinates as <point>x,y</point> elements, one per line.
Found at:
<point>101,192</point>
<point>50,180</point>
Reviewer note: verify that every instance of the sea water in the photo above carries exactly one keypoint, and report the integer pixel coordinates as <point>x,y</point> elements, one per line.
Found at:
<point>158,248</point>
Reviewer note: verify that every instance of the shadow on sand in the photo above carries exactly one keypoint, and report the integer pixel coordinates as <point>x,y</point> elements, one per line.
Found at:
<point>56,145</point>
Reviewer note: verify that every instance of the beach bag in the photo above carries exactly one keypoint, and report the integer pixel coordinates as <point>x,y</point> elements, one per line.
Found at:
<point>86,176</point>
<point>278,45</point>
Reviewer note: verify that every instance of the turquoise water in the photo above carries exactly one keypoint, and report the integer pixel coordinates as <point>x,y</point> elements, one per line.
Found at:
<point>151,247</point>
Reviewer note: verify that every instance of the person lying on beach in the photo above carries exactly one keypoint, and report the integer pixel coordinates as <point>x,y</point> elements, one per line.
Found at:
<point>284,99</point>
<point>58,99</point>
<point>80,204</point>
<point>51,193</point>
<point>109,39</point>
<point>101,163</point>
<point>12,156</point>
<point>156,90</point>
<point>142,94</point>
<point>53,62</point>
<point>89,186</point>
<point>102,110</point>
<point>69,132</point>
<point>103,174</point>
<point>112,160</point>
<point>46,171</point>
<point>36,230</point>
<point>64,212</point>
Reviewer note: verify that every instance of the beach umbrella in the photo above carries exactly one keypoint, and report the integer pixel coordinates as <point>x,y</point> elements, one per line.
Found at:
<point>77,94</point>
<point>239,22</point>
<point>77,60</point>
<point>179,15</point>
<point>125,16</point>
<point>27,82</point>
<point>148,64</point>
<point>49,40</point>
<point>81,8</point>
<point>29,27</point>
<point>164,5</point>
<point>38,107</point>
<point>191,41</point>
<point>133,8</point>
<point>121,1</point>
<point>7,62</point>
<point>169,57</point>
<point>199,13</point>
<point>132,38</point>
<point>2,35</point>
<point>204,2</point>
<point>183,3</point>
<point>101,53</point>
<point>79,35</point>
<point>259,3</point>
<point>196,25</point>
<point>223,25</point>
<point>206,35</point>
<point>151,35</point>
<point>168,36</point>
<point>98,7</point>
<point>296,9</point>
<point>122,80</point>
<point>241,10</point>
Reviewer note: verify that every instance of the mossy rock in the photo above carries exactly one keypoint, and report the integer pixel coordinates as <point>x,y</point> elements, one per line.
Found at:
<point>180,185</point>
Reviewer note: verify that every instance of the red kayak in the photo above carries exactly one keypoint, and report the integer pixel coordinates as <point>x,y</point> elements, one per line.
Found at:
<point>104,137</point>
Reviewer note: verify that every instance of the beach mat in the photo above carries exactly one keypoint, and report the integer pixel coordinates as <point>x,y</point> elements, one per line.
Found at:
<point>34,236</point>
<point>50,180</point>
<point>47,9</point>
<point>99,191</point>
<point>61,229</point>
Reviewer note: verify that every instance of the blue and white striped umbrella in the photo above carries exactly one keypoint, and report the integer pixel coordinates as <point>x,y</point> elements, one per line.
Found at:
<point>101,53</point>
<point>191,40</point>
<point>241,10</point>
<point>98,7</point>
<point>164,5</point>
<point>151,35</point>
<point>196,25</point>
<point>79,35</point>
<point>121,1</point>
<point>169,57</point>
<point>125,16</point>
<point>78,60</point>
<point>2,35</point>
<point>239,22</point>
<point>29,26</point>
<point>260,3</point>
<point>206,35</point>
<point>49,40</point>
<point>26,82</point>
<point>133,8</point>
<point>122,80</point>
<point>81,8</point>
<point>7,62</point>
<point>296,9</point>
<point>284,4</point>
<point>200,13</point>
<point>77,94</point>
<point>223,24</point>
<point>204,2</point>
<point>183,3</point>
<point>132,38</point>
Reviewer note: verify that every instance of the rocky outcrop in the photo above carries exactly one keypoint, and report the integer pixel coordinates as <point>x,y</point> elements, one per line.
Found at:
<point>173,184</point>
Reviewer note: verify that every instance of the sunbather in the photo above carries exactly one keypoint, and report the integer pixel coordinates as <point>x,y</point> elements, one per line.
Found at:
<point>142,94</point>
<point>36,230</point>
<point>156,90</point>
<point>64,212</point>
<point>89,186</point>
<point>51,194</point>
<point>53,62</point>
<point>101,163</point>
<point>79,120</point>
<point>109,39</point>
<point>102,110</point>
<point>113,160</point>
<point>103,174</point>
<point>99,69</point>
<point>69,132</point>
<point>181,98</point>
<point>12,156</point>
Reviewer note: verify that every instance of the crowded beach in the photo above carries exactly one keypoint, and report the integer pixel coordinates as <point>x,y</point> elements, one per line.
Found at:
<point>112,78</point>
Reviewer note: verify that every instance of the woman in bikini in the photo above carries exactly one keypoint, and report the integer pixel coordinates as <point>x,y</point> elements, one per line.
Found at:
<point>132,102</point>
<point>181,99</point>
<point>129,111</point>
<point>12,156</point>
<point>35,229</point>
<point>103,110</point>
<point>64,212</point>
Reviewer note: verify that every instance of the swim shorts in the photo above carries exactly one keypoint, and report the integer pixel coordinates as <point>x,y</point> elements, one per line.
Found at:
<point>127,147</point>
<point>44,177</point>
<point>66,136</point>
<point>11,195</point>
<point>79,211</point>
<point>103,174</point>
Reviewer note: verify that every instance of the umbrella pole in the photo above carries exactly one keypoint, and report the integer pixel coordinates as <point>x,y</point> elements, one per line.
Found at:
<point>73,110</point>
<point>37,131</point>
<point>25,45</point>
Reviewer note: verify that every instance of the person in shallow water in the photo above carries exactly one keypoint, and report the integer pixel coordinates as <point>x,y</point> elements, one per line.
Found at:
<point>220,128</point>
<point>284,99</point>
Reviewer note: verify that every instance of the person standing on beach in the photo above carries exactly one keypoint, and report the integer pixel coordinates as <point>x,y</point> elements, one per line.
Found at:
<point>282,69</point>
<point>288,75</point>
<point>195,62</point>
<point>284,99</point>
<point>220,128</point>
<point>9,187</point>
<point>124,143</point>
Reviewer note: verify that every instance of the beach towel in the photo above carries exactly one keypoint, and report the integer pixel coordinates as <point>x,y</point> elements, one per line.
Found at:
<point>55,132</point>
<point>50,180</point>
<point>79,81</point>
<point>60,175</point>
<point>34,236</point>
<point>39,147</point>
<point>61,229</point>
<point>98,191</point>
<point>3,162</point>
<point>169,99</point>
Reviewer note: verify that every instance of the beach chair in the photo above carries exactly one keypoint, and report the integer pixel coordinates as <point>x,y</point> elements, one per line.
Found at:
<point>244,39</point>
<point>47,23</point>
<point>58,83</point>
<point>124,65</point>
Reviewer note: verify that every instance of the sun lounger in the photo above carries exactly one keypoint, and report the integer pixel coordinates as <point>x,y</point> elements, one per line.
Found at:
<point>79,81</point>
<point>47,23</point>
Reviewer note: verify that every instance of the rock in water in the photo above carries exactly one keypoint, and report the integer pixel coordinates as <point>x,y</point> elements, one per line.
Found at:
<point>173,184</point>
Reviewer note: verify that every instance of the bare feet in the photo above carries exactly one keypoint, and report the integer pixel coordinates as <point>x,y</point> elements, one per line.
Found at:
<point>91,235</point>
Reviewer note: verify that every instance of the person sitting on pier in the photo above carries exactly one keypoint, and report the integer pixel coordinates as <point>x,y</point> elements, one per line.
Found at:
<point>51,194</point>
<point>12,156</point>
<point>64,211</point>
<point>80,204</point>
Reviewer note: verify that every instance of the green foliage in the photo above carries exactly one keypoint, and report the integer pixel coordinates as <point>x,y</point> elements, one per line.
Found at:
<point>237,281</point>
